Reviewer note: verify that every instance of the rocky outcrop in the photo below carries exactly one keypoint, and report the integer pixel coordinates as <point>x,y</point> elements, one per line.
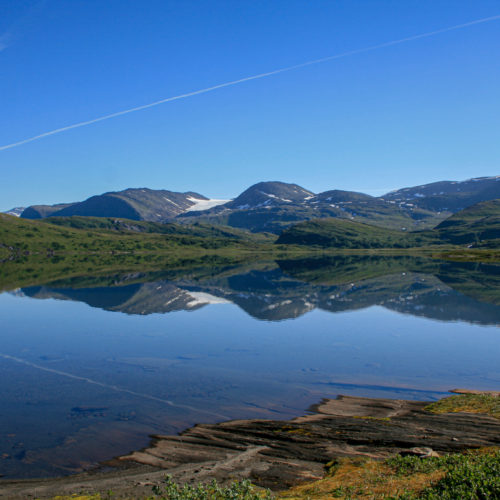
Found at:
<point>278,454</point>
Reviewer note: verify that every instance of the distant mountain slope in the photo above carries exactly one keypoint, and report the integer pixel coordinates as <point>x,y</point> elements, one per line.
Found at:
<point>273,206</point>
<point>447,196</point>
<point>42,211</point>
<point>371,210</point>
<point>476,226</point>
<point>16,212</point>
<point>134,204</point>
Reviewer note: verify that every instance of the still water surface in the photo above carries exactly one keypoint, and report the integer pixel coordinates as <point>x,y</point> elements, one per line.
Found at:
<point>91,367</point>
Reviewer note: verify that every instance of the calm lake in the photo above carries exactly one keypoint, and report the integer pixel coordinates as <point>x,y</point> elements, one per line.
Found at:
<point>91,366</point>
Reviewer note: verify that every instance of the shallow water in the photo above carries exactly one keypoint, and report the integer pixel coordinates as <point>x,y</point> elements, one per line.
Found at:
<point>90,371</point>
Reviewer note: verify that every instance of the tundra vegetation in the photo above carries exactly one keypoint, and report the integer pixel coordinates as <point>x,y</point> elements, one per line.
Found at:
<point>471,475</point>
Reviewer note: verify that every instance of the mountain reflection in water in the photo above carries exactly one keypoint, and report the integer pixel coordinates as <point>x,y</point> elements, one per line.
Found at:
<point>161,350</point>
<point>290,288</point>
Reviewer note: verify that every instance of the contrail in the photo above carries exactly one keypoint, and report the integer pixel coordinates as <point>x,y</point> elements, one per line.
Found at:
<point>108,386</point>
<point>249,78</point>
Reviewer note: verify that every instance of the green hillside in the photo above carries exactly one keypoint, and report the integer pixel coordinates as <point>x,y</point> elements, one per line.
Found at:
<point>124,226</point>
<point>471,233</point>
<point>340,233</point>
<point>93,235</point>
<point>477,226</point>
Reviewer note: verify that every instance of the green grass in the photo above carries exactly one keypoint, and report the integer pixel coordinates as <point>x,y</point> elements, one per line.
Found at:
<point>243,490</point>
<point>470,476</point>
<point>169,490</point>
<point>469,403</point>
<point>473,475</point>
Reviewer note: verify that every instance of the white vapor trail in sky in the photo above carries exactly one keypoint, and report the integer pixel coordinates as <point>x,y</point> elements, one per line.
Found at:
<point>249,78</point>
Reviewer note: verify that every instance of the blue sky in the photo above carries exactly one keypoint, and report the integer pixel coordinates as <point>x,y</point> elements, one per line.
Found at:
<point>403,115</point>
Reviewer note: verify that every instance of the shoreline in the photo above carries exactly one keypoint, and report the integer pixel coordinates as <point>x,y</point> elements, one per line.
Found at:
<point>277,454</point>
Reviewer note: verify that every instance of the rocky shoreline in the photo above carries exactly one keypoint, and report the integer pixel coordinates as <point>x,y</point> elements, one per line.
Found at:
<point>277,454</point>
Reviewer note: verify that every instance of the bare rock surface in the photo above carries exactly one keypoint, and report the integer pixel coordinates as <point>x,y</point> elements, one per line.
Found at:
<point>278,454</point>
<point>495,394</point>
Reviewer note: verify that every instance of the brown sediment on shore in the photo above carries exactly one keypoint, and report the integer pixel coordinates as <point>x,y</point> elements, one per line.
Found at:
<point>277,454</point>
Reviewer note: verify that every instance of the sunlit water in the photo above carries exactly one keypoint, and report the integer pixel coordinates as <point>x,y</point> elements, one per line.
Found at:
<point>89,373</point>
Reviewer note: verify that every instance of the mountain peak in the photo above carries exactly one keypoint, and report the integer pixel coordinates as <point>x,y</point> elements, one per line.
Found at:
<point>338,195</point>
<point>270,193</point>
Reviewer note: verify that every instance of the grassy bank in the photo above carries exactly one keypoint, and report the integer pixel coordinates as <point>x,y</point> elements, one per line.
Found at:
<point>467,476</point>
<point>472,475</point>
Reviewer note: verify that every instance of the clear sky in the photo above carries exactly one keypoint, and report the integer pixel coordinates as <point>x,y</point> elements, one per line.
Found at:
<point>407,114</point>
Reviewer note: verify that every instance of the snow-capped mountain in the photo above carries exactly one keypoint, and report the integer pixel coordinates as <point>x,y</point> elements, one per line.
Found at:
<point>447,196</point>
<point>17,211</point>
<point>273,206</point>
<point>136,204</point>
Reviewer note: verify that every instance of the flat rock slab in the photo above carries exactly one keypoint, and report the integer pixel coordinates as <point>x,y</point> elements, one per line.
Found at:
<point>278,454</point>
<point>495,394</point>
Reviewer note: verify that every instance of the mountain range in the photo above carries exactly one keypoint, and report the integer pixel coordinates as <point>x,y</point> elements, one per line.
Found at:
<point>136,204</point>
<point>274,206</point>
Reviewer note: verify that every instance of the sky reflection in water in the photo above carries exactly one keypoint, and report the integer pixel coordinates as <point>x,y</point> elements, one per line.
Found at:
<point>89,372</point>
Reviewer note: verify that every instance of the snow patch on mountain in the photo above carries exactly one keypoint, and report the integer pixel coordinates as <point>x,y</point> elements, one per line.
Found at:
<point>204,204</point>
<point>275,197</point>
<point>15,211</point>
<point>173,202</point>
